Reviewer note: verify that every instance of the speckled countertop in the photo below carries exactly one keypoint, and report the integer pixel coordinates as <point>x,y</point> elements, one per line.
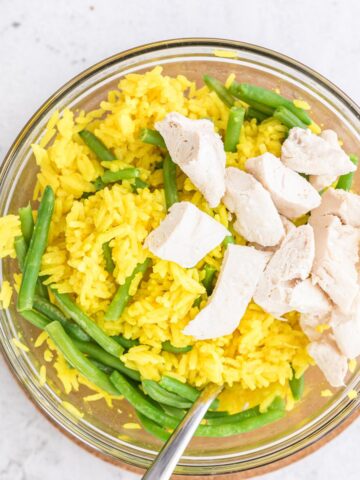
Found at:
<point>42,45</point>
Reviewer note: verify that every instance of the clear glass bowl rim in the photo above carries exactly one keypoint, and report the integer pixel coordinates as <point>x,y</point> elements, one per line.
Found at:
<point>330,420</point>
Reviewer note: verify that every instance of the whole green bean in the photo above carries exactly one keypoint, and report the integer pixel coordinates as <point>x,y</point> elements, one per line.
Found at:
<point>87,324</point>
<point>183,390</point>
<point>297,386</point>
<point>170,188</point>
<point>345,181</point>
<point>168,347</point>
<point>35,318</point>
<point>27,223</point>
<point>123,174</point>
<point>102,367</point>
<point>175,412</point>
<point>139,401</point>
<point>159,394</point>
<point>152,137</point>
<point>234,418</point>
<point>228,240</point>
<point>208,280</point>
<point>288,118</point>
<point>109,263</point>
<point>233,128</point>
<point>122,295</point>
<point>220,90</point>
<point>52,312</point>
<point>253,113</point>
<point>36,250</point>
<point>259,107</point>
<point>263,96</point>
<point>77,360</point>
<point>97,146</point>
<point>152,427</point>
<point>97,353</point>
<point>126,342</point>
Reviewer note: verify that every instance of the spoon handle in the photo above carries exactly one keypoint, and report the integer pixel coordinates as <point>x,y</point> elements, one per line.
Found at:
<point>170,454</point>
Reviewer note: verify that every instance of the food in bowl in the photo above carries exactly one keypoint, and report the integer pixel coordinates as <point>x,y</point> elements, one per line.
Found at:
<point>173,247</point>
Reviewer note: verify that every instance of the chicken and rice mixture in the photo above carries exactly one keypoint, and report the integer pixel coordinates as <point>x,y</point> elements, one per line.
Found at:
<point>185,235</point>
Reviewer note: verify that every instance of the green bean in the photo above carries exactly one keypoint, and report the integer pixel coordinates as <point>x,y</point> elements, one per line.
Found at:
<point>98,184</point>
<point>35,318</point>
<point>54,313</point>
<point>253,113</point>
<point>77,360</point>
<point>234,418</point>
<point>208,281</point>
<point>220,90</point>
<point>139,401</point>
<point>122,296</point>
<point>97,146</point>
<point>233,128</point>
<point>126,342</point>
<point>152,427</point>
<point>183,390</point>
<point>109,263</point>
<point>161,395</point>
<point>27,223</point>
<point>36,250</point>
<point>123,174</point>
<point>197,302</point>
<point>97,353</point>
<point>102,367</point>
<point>152,137</point>
<point>87,324</point>
<point>287,117</point>
<point>168,347</point>
<point>297,386</point>
<point>20,250</point>
<point>170,188</point>
<point>228,240</point>
<point>227,429</point>
<point>252,93</point>
<point>345,181</point>
<point>138,184</point>
<point>175,412</point>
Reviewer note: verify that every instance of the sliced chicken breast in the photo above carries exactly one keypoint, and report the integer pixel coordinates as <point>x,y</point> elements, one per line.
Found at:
<point>319,182</point>
<point>310,322</point>
<point>330,361</point>
<point>309,298</point>
<point>308,153</point>
<point>346,329</point>
<point>336,256</point>
<point>186,235</point>
<point>290,264</point>
<point>292,194</point>
<point>239,275</point>
<point>199,151</point>
<point>257,219</point>
<point>344,205</point>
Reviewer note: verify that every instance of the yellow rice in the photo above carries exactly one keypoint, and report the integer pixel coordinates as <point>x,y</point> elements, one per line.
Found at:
<point>255,361</point>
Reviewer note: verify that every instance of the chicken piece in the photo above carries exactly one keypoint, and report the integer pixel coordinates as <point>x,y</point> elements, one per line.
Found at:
<point>346,329</point>
<point>309,299</point>
<point>257,219</point>
<point>344,205</point>
<point>288,227</point>
<point>309,324</point>
<point>319,182</point>
<point>292,194</point>
<point>186,235</point>
<point>336,256</point>
<point>308,153</point>
<point>199,151</point>
<point>239,275</point>
<point>291,263</point>
<point>330,361</point>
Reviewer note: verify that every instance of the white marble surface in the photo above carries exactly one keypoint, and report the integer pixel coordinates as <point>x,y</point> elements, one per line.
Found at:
<point>42,45</point>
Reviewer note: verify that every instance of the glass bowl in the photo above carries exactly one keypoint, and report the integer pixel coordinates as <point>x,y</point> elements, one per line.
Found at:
<point>100,429</point>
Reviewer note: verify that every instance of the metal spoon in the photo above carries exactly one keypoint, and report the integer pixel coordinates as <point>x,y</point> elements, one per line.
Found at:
<point>170,454</point>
